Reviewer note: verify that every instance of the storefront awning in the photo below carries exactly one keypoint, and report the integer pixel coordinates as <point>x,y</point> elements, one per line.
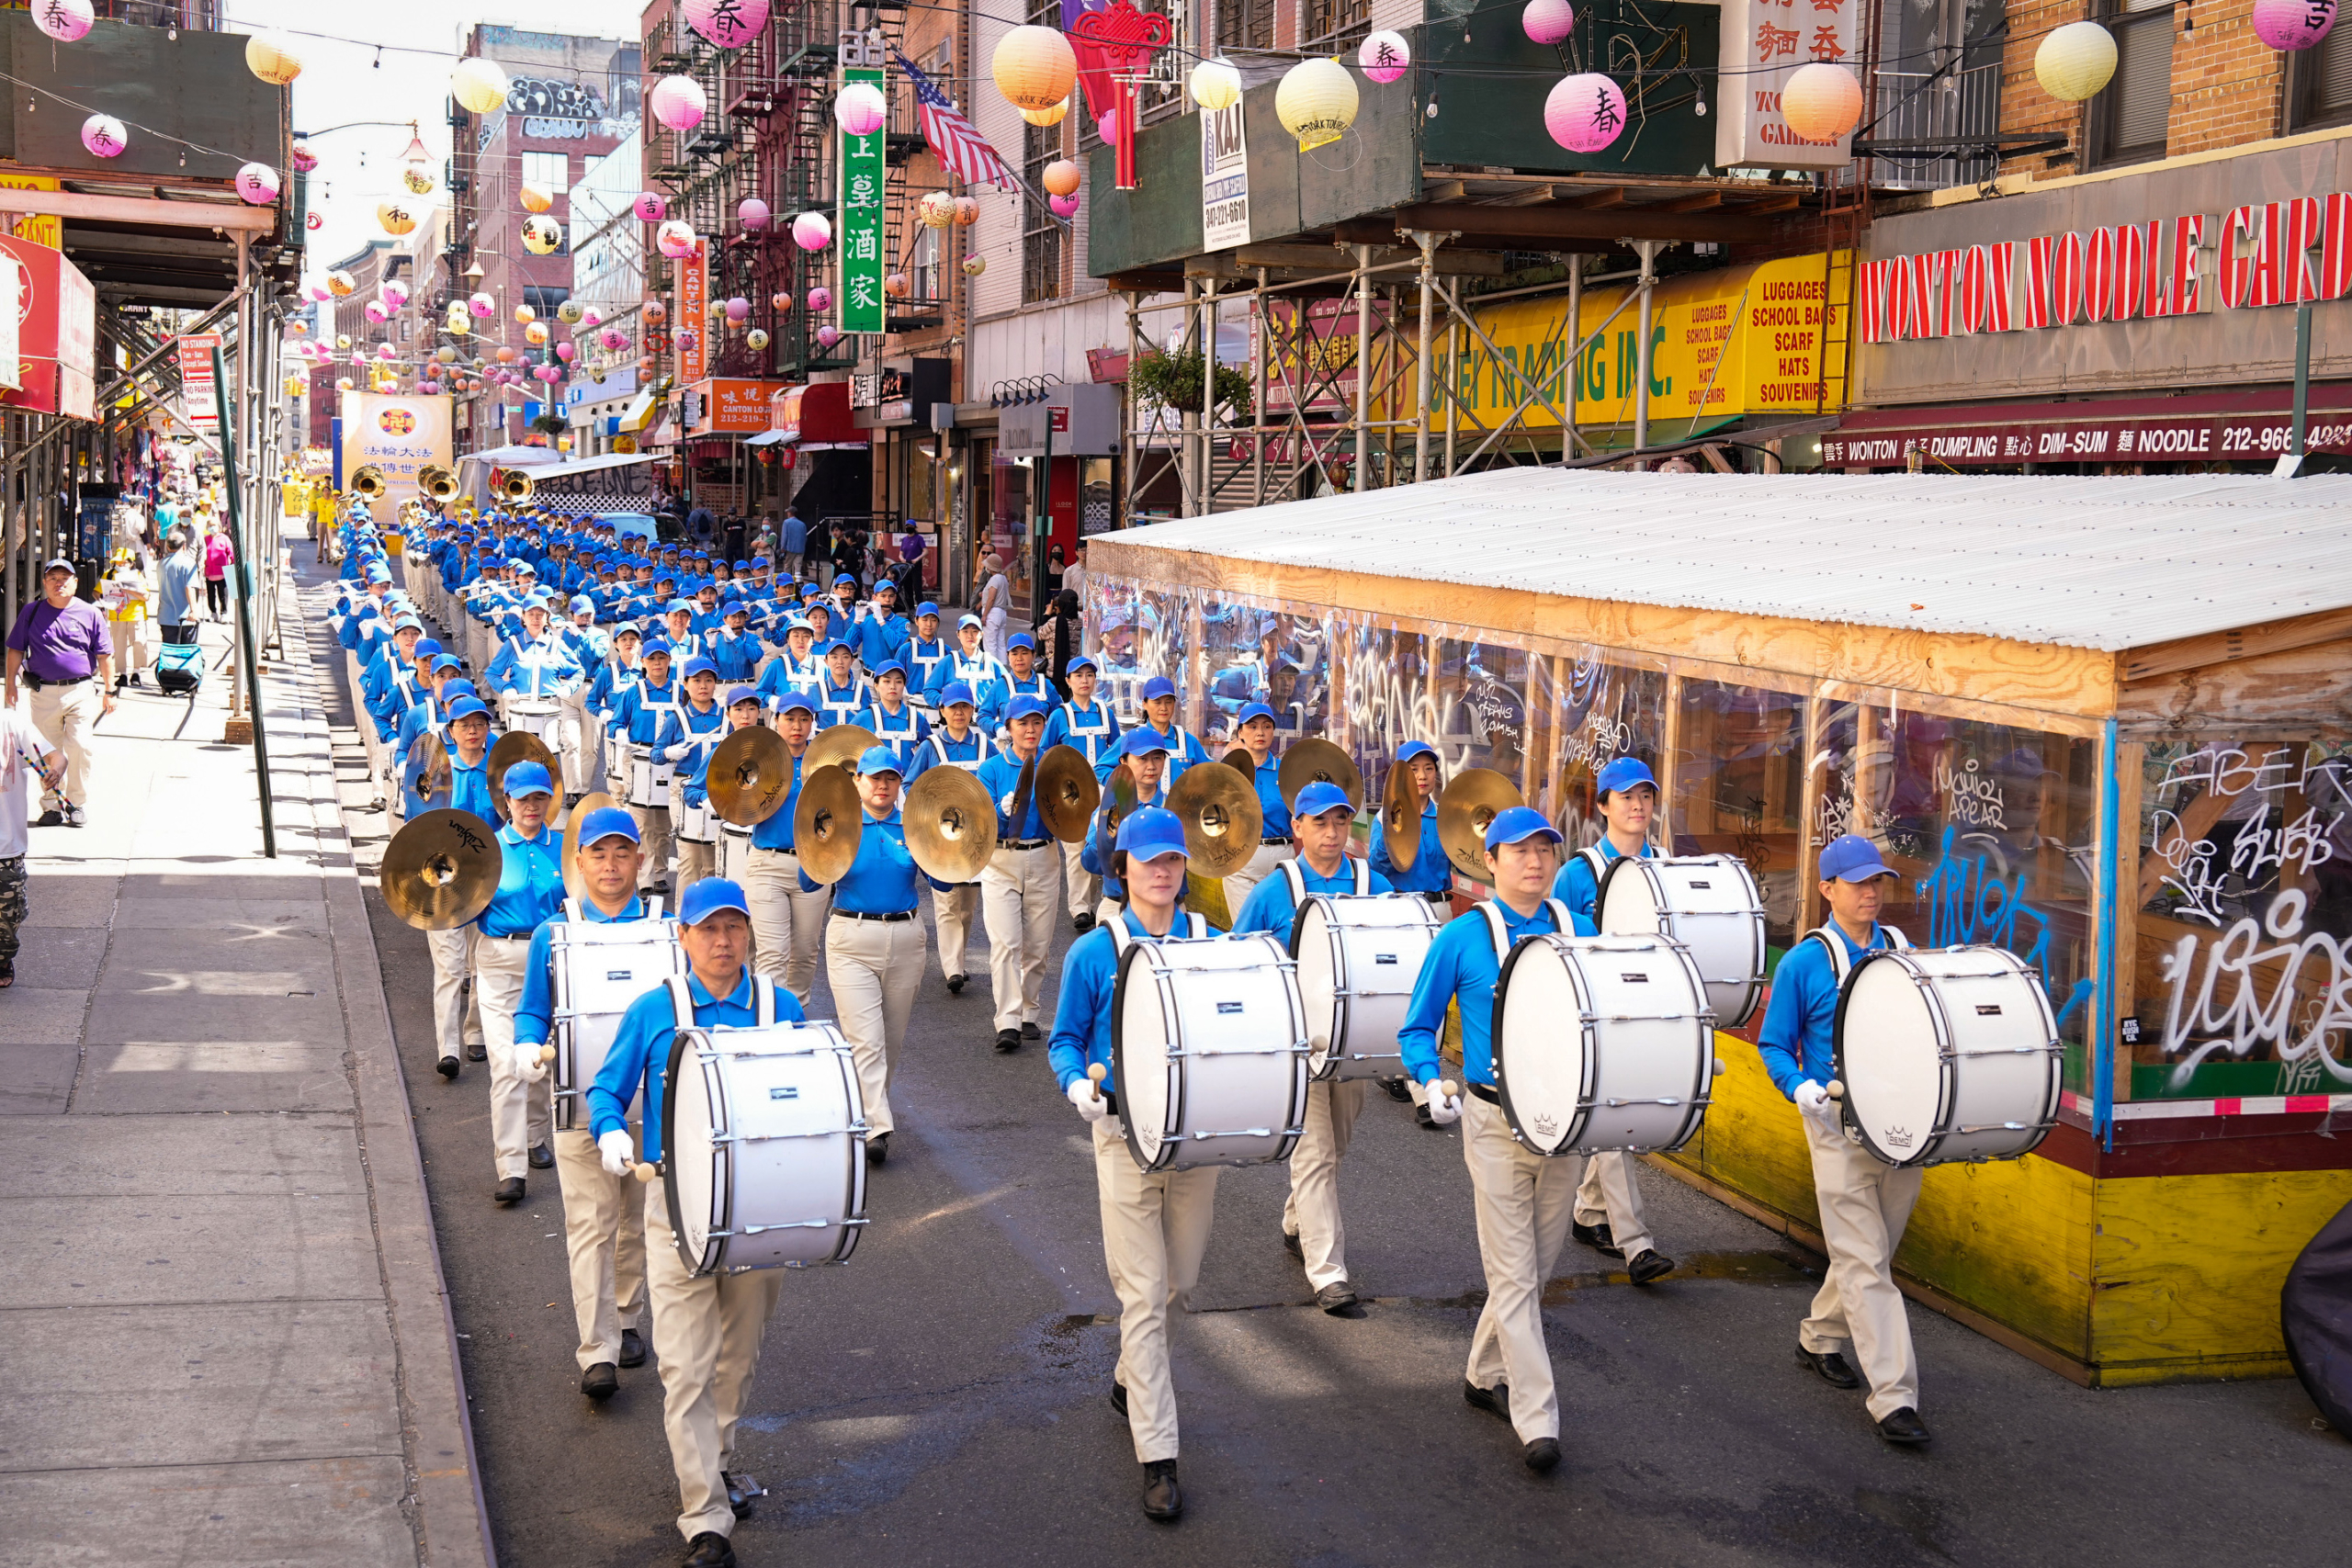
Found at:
<point>2216,427</point>
<point>773,438</point>
<point>817,415</point>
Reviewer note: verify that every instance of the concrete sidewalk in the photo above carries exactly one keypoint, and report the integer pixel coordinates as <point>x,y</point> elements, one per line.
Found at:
<point>223,1336</point>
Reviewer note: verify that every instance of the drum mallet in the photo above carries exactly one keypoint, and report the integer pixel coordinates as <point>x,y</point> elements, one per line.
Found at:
<point>1448,1088</point>
<point>1835,1089</point>
<point>546,1053</point>
<point>646,1171</point>
<point>1096,1074</point>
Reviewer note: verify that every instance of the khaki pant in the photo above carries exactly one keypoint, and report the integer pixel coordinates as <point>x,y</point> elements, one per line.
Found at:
<point>604,1235</point>
<point>65,716</point>
<point>1242,883</point>
<point>583,745</point>
<point>1085,887</point>
<point>456,1015</point>
<point>1523,1202</point>
<point>787,925</point>
<point>522,1113</point>
<point>952,910</point>
<point>1312,1212</point>
<point>1609,1193</point>
<point>1019,892</point>
<point>1865,1204</point>
<point>1155,1228</point>
<point>695,861</point>
<point>130,653</point>
<point>874,968</point>
<point>653,840</point>
<point>1108,910</point>
<point>706,1332</point>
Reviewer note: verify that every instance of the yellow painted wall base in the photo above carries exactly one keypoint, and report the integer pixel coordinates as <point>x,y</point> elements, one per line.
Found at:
<point>2110,1281</point>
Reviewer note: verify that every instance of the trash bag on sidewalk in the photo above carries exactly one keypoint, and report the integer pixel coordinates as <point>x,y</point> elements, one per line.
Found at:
<point>2315,1312</point>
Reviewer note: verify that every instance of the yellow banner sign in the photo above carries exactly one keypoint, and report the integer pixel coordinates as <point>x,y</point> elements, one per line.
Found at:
<point>37,228</point>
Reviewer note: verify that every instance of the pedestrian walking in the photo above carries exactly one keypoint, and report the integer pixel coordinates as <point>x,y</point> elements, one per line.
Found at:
<point>1057,639</point>
<point>217,552</point>
<point>27,753</point>
<point>995,606</point>
<point>57,646</point>
<point>176,610</point>
<point>125,599</point>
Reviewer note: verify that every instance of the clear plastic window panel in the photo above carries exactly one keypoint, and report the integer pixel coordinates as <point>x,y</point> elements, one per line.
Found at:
<point>1739,790</point>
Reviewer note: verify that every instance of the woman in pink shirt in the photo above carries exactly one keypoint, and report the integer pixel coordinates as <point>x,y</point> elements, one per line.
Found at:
<point>217,555</point>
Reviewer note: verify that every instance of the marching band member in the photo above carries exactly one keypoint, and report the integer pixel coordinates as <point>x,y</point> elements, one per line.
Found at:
<point>1143,754</point>
<point>1609,1217</point>
<point>892,718</point>
<point>796,668</point>
<point>1156,1226</point>
<point>787,923</point>
<point>1022,882</point>
<point>584,732</point>
<point>882,634</point>
<point>457,1014</point>
<point>976,669</point>
<point>535,665</point>
<point>1523,1199</point>
<point>1865,1204</point>
<point>688,734</point>
<point>530,892</point>
<point>845,603</point>
<point>957,742</point>
<point>678,628</point>
<point>1184,748</point>
<point>742,710</point>
<point>926,652</point>
<point>735,648</point>
<point>1022,679</point>
<point>1092,729</point>
<point>644,712</point>
<point>843,695</point>
<point>1312,1229</point>
<point>1429,876</point>
<point>604,1215</point>
<point>601,701</point>
<point>1255,731</point>
<point>706,1328</point>
<point>874,943</point>
<point>427,716</point>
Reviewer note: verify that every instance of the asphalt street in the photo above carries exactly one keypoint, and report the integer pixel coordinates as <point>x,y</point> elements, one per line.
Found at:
<point>943,1398</point>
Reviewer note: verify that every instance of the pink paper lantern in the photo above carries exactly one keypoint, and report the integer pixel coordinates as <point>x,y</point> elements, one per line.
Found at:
<point>564,352</point>
<point>812,231</point>
<point>678,102</point>
<point>67,21</point>
<point>1108,127</point>
<point>752,212</point>
<point>860,108</point>
<point>675,239</point>
<point>614,338</point>
<point>318,291</point>
<point>687,337</point>
<point>395,294</point>
<point>1385,56</point>
<point>483,306</point>
<point>1547,21</point>
<point>104,137</point>
<point>828,336</point>
<point>650,205</point>
<point>257,185</point>
<point>429,388</point>
<point>821,299</point>
<point>385,351</point>
<point>592,317</point>
<point>375,311</point>
<point>1063,205</point>
<point>2290,24</point>
<point>739,309</point>
<point>729,24</point>
<point>304,159</point>
<point>1585,113</point>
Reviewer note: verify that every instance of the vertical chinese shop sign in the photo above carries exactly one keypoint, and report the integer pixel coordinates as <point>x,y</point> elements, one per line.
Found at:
<point>1764,43</point>
<point>859,300</point>
<point>694,311</point>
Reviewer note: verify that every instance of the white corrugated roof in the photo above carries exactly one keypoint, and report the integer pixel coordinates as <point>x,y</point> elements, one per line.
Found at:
<point>2107,563</point>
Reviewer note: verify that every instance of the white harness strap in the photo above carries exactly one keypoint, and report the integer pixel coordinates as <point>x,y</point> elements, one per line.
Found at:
<point>1197,928</point>
<point>1840,963</point>
<point>574,913</point>
<point>1562,921</point>
<point>682,1001</point>
<point>1297,879</point>
<point>938,744</point>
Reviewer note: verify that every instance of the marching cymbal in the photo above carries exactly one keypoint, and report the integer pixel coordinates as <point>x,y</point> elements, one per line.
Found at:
<point>1242,763</point>
<point>440,871</point>
<point>520,747</point>
<point>750,774</point>
<point>844,743</point>
<point>1121,788</point>
<point>427,774</point>
<point>1066,793</point>
<point>828,821</point>
<point>1400,817</point>
<point>1309,760</point>
<point>951,824</point>
<point>1474,797</point>
<point>595,800</point>
<point>1222,820</point>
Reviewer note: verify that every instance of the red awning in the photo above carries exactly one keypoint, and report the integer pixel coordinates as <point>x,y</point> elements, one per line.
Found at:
<point>2253,427</point>
<point>819,414</point>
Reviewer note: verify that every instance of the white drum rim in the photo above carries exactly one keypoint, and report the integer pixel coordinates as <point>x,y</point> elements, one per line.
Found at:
<point>1165,1156</point>
<point>1758,983</point>
<point>1575,1131</point>
<point>1333,1057</point>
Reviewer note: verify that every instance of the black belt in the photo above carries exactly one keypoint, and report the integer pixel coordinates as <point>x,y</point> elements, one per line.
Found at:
<point>38,681</point>
<point>1484,1091</point>
<point>1436,898</point>
<point>862,915</point>
<point>1023,843</point>
<point>1264,843</point>
<point>495,936</point>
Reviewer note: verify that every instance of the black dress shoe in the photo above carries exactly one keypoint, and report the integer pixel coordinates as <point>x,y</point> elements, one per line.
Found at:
<point>1543,1455</point>
<point>449,1066</point>
<point>600,1381</point>
<point>1008,1039</point>
<point>1337,1298</point>
<point>1596,1237</point>
<point>878,1148</point>
<point>1422,1114</point>
<point>1082,921</point>
<point>1494,1401</point>
<point>1650,1264</point>
<point>710,1550</point>
<point>742,1493</point>
<point>1031,1031</point>
<point>476,1051</point>
<point>955,985</point>
<point>1119,1398</point>
<point>542,1157</point>
<point>1292,1244</point>
<point>53,818</point>
<point>1834,1368</point>
<point>1905,1427</point>
<point>509,1190</point>
<point>1163,1498</point>
<point>1398,1090</point>
<point>632,1348</point>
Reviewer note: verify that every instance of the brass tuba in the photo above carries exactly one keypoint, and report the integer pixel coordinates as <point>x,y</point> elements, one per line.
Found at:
<point>368,481</point>
<point>437,482</point>
<point>512,486</point>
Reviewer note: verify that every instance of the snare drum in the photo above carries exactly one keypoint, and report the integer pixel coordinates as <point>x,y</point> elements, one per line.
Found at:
<point>600,968</point>
<point>698,824</point>
<point>1208,1043</point>
<point>1358,958</point>
<point>617,755</point>
<point>1602,1042</point>
<point>764,1141</point>
<point>1947,1054</point>
<point>1708,903</point>
<point>649,781</point>
<point>542,716</point>
<point>734,852</point>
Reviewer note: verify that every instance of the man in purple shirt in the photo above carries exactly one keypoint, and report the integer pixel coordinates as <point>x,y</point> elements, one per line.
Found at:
<point>59,647</point>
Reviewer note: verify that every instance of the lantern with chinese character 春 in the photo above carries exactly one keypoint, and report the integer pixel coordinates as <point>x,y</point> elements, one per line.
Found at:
<point>103,135</point>
<point>2075,62</point>
<point>2290,24</point>
<point>1316,102</point>
<point>1585,113</point>
<point>65,20</point>
<point>812,231</point>
<point>1035,67</point>
<point>1385,56</point>
<point>729,24</point>
<point>898,285</point>
<point>678,102</point>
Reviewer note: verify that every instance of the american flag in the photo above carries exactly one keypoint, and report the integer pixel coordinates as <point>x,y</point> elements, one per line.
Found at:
<point>960,146</point>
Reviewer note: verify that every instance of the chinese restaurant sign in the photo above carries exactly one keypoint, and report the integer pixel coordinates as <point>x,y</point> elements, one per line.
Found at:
<point>1764,43</point>
<point>858,303</point>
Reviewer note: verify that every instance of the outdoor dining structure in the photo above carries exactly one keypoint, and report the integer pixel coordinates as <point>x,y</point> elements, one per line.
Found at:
<point>2103,722</point>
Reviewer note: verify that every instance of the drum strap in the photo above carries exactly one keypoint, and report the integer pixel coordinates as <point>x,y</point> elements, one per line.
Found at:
<point>1839,964</point>
<point>1362,871</point>
<point>1196,929</point>
<point>1561,922</point>
<point>1596,860</point>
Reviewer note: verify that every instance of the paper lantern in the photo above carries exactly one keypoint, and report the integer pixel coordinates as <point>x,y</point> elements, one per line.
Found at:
<point>898,285</point>
<point>755,339</point>
<point>860,108</point>
<point>739,309</point>
<point>271,57</point>
<point>535,199</point>
<point>541,236</point>
<point>479,84</point>
<point>1063,205</point>
<point>1547,21</point>
<point>1585,113</point>
<point>396,218</point>
<point>828,336</point>
<point>752,212</point>
<point>104,137</point>
<point>314,220</point>
<point>781,301</point>
<point>1821,101</point>
<point>568,313</point>
<point>2290,24</point>
<point>504,355</point>
<point>655,312</point>
<point>937,210</point>
<point>257,185</point>
<point>812,231</point>
<point>1051,116</point>
<point>2075,62</point>
<point>651,206</point>
<point>298,327</point>
<point>675,239</point>
<point>1060,177</point>
<point>524,315</point>
<point>590,317</point>
<point>417,179</point>
<point>483,306</point>
<point>1035,67</point>
<point>1107,126</point>
<point>342,339</point>
<point>612,337</point>
<point>565,352</point>
<point>446,354</point>
<point>967,211</point>
<point>688,337</point>
<point>1385,56</point>
<point>304,159</point>
<point>457,325</point>
<point>821,299</point>
<point>1316,102</point>
<point>975,265</point>
<point>536,334</point>
<point>1214,84</point>
<point>65,20</point>
<point>678,102</point>
<point>375,311</point>
<point>385,351</point>
<point>645,365</point>
<point>395,293</point>
<point>341,284</point>
<point>343,383</point>
<point>729,24</point>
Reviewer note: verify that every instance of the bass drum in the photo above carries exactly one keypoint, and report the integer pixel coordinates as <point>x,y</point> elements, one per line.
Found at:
<point>1633,1074</point>
<point>1708,903</point>
<point>1208,1052</point>
<point>763,1142</point>
<point>1947,1054</point>
<point>1358,957</point>
<point>601,967</point>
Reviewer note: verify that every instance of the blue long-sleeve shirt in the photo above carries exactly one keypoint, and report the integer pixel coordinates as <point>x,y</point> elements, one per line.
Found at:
<point>1799,1037</point>
<point>1462,967</point>
<point>1000,775</point>
<point>1094,855</point>
<point>1082,1010</point>
<point>1270,805</point>
<point>1577,887</point>
<point>469,786</point>
<point>775,833</point>
<point>904,732</point>
<point>1430,872</point>
<point>737,654</point>
<point>534,1013</point>
<point>879,639</point>
<point>641,710</point>
<point>541,668</point>
<point>1270,907</point>
<point>640,1053</point>
<point>688,734</point>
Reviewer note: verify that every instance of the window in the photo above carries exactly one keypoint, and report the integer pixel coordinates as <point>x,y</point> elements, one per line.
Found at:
<point>2320,91</point>
<point>1332,25</point>
<point>548,170</point>
<point>1246,24</point>
<point>2130,117</point>
<point>926,267</point>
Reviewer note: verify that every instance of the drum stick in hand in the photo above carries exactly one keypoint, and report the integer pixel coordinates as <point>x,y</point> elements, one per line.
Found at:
<point>1836,1090</point>
<point>546,1053</point>
<point>1096,1074</point>
<point>1449,1089</point>
<point>645,1170</point>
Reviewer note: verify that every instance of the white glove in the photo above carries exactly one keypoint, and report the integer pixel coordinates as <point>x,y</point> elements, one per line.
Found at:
<point>619,1151</point>
<point>528,1066</point>
<point>1814,1101</point>
<point>1091,1106</point>
<point>1444,1109</point>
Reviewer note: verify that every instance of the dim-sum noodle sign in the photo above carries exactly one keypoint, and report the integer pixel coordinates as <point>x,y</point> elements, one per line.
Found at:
<point>2283,252</point>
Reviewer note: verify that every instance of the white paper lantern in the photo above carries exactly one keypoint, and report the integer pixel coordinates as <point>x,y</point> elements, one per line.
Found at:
<point>1822,101</point>
<point>2075,62</point>
<point>860,108</point>
<point>480,86</point>
<point>1035,67</point>
<point>1216,85</point>
<point>1316,102</point>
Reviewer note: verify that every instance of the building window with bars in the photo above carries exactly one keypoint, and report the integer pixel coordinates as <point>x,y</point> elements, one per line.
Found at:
<point>1041,232</point>
<point>2130,117</point>
<point>1245,24</point>
<point>1331,25</point>
<point>926,264</point>
<point>2320,88</point>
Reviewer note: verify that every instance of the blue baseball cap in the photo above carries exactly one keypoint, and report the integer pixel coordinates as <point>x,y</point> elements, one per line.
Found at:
<point>926,608</point>
<point>742,694</point>
<point>406,621</point>
<point>1519,822</point>
<point>1255,710</point>
<point>887,586</point>
<point>656,647</point>
<point>878,760</point>
<point>795,702</point>
<point>1852,858</point>
<point>1151,832</point>
<point>677,606</point>
<point>1081,661</point>
<point>1142,742</point>
<point>698,666</point>
<point>446,661</point>
<point>466,708</point>
<point>1318,797</point>
<point>461,687</point>
<point>425,648</point>
<point>1027,708</point>
<point>957,691</point>
<point>608,822</point>
<point>1021,639</point>
<point>1158,686</point>
<point>844,577</point>
<point>890,667</point>
<point>582,602</point>
<point>708,898</point>
<point>627,628</point>
<point>1625,772</point>
<point>526,778</point>
<point>1412,749</point>
<point>968,620</point>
